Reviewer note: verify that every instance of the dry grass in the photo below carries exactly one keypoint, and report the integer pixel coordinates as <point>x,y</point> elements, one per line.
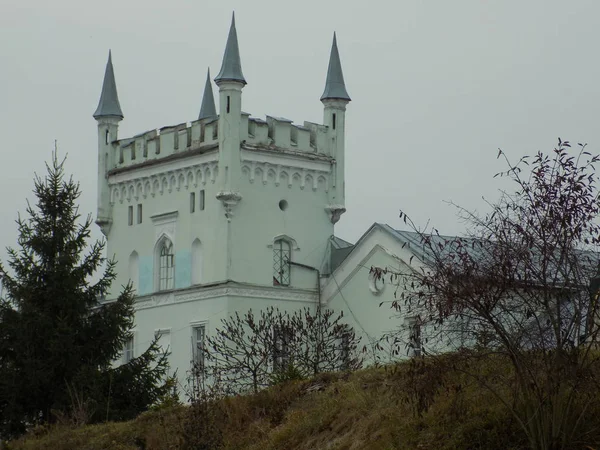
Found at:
<point>400,407</point>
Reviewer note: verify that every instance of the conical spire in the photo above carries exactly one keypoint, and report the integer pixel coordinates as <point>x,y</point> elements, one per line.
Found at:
<point>207,109</point>
<point>109,100</point>
<point>231,69</point>
<point>334,86</point>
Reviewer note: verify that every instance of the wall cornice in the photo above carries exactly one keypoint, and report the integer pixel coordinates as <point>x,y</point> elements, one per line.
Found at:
<point>230,289</point>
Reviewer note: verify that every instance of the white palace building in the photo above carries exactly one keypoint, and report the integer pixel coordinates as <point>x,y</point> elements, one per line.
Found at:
<point>203,217</point>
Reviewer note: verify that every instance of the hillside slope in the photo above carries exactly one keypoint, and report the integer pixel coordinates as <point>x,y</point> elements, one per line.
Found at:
<point>413,405</point>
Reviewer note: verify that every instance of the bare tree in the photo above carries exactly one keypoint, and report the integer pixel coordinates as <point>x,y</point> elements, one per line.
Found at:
<point>240,352</point>
<point>246,351</point>
<point>320,342</point>
<point>518,287</point>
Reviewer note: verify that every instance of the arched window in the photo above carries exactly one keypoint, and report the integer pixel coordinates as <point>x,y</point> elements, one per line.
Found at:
<point>166,266</point>
<point>197,262</point>
<point>134,269</point>
<point>282,252</point>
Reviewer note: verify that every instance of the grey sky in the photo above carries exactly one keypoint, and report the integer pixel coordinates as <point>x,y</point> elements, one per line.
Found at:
<point>437,87</point>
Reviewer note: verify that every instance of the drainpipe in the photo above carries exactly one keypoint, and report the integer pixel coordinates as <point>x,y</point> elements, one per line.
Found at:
<point>317,344</point>
<point>304,266</point>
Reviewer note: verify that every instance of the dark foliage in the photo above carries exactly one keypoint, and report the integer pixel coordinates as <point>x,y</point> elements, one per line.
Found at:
<point>57,338</point>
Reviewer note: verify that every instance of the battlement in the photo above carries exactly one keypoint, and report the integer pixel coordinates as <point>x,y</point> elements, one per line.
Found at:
<point>166,141</point>
<point>274,133</point>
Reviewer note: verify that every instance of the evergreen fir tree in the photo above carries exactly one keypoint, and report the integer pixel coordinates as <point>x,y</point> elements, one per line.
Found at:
<point>57,335</point>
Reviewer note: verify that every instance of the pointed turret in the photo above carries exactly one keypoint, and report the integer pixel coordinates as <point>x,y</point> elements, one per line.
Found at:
<point>231,69</point>
<point>109,100</point>
<point>335,87</point>
<point>207,109</point>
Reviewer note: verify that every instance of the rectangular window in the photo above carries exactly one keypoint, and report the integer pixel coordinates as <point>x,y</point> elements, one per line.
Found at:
<point>192,202</point>
<point>202,200</point>
<point>198,334</point>
<point>130,215</point>
<point>128,350</point>
<point>139,213</point>
<point>281,348</point>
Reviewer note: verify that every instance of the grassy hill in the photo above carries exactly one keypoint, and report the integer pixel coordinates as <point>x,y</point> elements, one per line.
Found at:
<point>412,405</point>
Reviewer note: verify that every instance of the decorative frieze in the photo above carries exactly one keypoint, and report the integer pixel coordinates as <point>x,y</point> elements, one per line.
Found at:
<point>166,182</point>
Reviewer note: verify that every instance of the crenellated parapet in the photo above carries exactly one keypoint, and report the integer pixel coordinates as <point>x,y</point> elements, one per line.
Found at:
<point>275,133</point>
<point>281,133</point>
<point>165,142</point>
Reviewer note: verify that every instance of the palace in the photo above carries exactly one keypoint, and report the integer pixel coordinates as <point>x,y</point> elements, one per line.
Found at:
<point>231,212</point>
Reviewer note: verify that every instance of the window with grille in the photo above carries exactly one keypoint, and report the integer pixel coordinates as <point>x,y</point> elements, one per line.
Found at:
<point>130,215</point>
<point>192,202</point>
<point>128,350</point>
<point>198,333</point>
<point>281,348</point>
<point>139,213</point>
<point>167,266</point>
<point>281,263</point>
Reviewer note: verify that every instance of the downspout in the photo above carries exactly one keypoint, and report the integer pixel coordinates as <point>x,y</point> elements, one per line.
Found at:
<point>304,266</point>
<point>317,344</point>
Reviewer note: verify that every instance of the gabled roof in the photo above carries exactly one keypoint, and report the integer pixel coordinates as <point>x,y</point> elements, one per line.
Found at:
<point>231,68</point>
<point>109,100</point>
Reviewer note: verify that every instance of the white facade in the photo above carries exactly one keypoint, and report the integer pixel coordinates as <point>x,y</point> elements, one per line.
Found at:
<point>198,215</point>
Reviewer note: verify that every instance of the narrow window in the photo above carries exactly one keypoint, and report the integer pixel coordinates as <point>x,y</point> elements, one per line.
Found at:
<point>228,104</point>
<point>202,197</point>
<point>130,215</point>
<point>139,213</point>
<point>198,333</point>
<point>281,348</point>
<point>106,137</point>
<point>167,266</point>
<point>281,263</point>
<point>334,121</point>
<point>128,350</point>
<point>192,202</point>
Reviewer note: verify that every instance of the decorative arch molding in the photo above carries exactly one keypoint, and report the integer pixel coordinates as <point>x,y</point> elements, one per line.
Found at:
<point>290,176</point>
<point>287,238</point>
<point>164,183</point>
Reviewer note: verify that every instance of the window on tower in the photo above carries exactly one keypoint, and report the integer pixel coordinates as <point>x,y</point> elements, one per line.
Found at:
<point>281,262</point>
<point>202,198</point>
<point>166,266</point>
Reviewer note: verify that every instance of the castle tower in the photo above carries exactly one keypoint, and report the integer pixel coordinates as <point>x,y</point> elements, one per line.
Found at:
<point>231,81</point>
<point>335,98</point>
<point>108,115</point>
<point>221,214</point>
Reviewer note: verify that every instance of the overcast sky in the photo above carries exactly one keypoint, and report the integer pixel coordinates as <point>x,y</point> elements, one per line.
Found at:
<point>437,87</point>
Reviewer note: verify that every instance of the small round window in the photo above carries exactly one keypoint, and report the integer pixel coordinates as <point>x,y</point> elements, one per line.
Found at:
<point>283,204</point>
